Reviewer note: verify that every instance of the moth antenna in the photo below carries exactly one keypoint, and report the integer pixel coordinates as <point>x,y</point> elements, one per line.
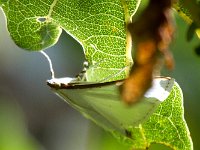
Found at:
<point>50,64</point>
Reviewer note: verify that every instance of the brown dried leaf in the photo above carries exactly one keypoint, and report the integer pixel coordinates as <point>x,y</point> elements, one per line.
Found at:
<point>151,35</point>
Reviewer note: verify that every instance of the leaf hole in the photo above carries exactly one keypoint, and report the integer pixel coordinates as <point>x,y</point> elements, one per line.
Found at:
<point>41,19</point>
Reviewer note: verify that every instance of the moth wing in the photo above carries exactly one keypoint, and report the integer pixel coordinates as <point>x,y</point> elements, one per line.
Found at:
<point>103,104</point>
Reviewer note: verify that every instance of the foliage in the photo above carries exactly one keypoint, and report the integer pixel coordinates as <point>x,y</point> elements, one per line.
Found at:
<point>100,27</point>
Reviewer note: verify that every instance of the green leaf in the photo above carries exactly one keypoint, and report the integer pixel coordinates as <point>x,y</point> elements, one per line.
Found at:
<point>25,27</point>
<point>189,10</point>
<point>99,26</point>
<point>166,126</point>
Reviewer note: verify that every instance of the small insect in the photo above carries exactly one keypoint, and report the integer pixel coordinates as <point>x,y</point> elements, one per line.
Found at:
<point>82,75</point>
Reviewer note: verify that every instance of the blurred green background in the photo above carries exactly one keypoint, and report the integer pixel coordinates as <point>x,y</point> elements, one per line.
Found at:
<point>33,118</point>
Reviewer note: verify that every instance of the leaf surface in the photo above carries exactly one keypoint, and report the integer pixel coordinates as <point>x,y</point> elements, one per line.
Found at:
<point>166,126</point>
<point>100,26</point>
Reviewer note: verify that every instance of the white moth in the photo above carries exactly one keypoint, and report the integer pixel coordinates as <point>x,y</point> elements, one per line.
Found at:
<point>102,103</point>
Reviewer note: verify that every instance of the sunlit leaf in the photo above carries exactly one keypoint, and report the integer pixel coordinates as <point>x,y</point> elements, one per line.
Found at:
<point>166,126</point>
<point>100,26</point>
